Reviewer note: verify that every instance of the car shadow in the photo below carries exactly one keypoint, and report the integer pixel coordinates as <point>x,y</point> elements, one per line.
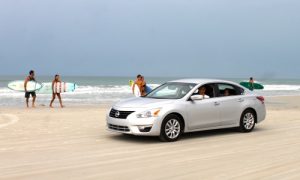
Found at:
<point>216,132</point>
<point>135,139</point>
<point>186,136</point>
<point>209,133</point>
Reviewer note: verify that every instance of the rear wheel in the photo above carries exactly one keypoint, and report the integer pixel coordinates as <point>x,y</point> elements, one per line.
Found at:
<point>171,128</point>
<point>247,121</point>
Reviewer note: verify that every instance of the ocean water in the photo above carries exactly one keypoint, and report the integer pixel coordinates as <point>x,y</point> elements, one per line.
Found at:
<point>107,90</point>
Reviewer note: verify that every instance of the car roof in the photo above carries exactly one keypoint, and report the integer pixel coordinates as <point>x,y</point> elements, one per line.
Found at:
<point>202,81</point>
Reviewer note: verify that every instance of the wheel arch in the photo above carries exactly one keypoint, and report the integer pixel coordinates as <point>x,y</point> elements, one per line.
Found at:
<point>252,109</point>
<point>181,118</point>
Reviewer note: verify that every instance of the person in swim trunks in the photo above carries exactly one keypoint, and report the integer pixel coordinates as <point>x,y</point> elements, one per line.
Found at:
<point>32,93</point>
<point>140,83</point>
<point>251,82</point>
<point>54,93</point>
<point>143,89</point>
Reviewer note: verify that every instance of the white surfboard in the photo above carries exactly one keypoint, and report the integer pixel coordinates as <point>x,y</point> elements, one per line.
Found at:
<point>59,87</point>
<point>19,86</point>
<point>137,92</point>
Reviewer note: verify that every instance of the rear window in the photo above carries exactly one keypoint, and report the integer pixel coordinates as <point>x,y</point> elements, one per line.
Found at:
<point>229,90</point>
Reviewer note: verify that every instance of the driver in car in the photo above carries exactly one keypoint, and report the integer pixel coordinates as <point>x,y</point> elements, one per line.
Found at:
<point>202,91</point>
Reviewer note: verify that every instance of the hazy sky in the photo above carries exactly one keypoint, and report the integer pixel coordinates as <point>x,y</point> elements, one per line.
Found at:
<point>200,38</point>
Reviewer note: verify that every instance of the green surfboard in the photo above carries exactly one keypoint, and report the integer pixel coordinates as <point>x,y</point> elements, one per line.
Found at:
<point>256,85</point>
<point>131,82</point>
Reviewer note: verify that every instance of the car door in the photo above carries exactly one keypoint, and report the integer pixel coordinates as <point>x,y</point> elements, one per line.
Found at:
<point>230,105</point>
<point>205,113</point>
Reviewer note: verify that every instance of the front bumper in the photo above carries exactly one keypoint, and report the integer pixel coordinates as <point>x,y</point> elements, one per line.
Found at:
<point>135,126</point>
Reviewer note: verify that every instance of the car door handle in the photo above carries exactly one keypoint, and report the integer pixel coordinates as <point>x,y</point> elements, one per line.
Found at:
<point>241,100</point>
<point>217,103</point>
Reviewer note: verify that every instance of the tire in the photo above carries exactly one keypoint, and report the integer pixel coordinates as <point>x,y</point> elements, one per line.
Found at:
<point>247,121</point>
<point>171,128</point>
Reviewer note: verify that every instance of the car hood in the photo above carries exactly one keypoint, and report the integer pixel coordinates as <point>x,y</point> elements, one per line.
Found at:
<point>139,102</point>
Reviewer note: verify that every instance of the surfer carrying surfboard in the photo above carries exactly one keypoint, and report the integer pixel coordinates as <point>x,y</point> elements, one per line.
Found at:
<point>27,93</point>
<point>56,91</point>
<point>140,82</point>
<point>251,83</point>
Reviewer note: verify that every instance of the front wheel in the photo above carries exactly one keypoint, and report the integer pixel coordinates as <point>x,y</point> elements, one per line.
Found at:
<point>171,128</point>
<point>247,121</point>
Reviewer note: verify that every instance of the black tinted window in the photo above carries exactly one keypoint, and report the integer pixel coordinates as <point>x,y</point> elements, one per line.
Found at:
<point>209,90</point>
<point>229,90</point>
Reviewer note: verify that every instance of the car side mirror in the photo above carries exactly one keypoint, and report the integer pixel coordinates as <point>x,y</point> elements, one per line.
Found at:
<point>196,97</point>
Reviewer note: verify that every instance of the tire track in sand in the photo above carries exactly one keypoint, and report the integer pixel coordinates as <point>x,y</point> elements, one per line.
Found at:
<point>10,118</point>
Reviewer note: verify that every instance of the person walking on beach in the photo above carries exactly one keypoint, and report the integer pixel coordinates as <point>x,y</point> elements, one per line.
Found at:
<point>251,84</point>
<point>55,92</point>
<point>32,93</point>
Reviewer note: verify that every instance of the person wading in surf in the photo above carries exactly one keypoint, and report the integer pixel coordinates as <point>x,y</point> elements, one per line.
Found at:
<point>54,91</point>
<point>32,93</point>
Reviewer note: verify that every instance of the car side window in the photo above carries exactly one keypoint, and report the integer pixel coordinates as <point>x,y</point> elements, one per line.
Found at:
<point>228,90</point>
<point>209,90</point>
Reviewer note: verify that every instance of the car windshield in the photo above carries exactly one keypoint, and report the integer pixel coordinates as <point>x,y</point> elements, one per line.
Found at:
<point>171,90</point>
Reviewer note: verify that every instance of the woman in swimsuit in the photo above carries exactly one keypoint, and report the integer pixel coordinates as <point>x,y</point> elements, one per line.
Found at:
<point>54,92</point>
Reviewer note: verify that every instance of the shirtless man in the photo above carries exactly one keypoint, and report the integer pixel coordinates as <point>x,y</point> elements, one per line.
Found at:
<point>143,89</point>
<point>27,94</point>
<point>251,82</point>
<point>140,83</point>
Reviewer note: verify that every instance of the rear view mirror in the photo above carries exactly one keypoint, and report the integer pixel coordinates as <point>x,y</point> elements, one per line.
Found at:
<point>172,87</point>
<point>196,97</point>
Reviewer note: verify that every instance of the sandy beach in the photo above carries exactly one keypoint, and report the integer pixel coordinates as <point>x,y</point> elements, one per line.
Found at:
<point>73,143</point>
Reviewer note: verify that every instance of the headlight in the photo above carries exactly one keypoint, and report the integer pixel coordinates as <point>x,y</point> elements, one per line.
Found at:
<point>149,113</point>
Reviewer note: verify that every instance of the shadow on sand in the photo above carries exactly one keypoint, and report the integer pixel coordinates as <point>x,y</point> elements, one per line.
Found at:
<point>187,136</point>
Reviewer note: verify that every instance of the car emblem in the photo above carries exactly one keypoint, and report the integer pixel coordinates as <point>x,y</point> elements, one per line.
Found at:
<point>117,114</point>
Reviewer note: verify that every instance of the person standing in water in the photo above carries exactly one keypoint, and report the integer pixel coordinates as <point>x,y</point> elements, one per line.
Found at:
<point>54,91</point>
<point>251,83</point>
<point>32,93</point>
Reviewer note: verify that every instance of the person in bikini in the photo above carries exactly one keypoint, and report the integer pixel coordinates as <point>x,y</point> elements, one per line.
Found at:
<point>54,91</point>
<point>27,93</point>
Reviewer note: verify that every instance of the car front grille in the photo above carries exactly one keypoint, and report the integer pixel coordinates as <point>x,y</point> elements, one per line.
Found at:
<point>119,114</point>
<point>118,128</point>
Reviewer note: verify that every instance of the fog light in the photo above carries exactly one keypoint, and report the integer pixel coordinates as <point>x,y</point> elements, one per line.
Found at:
<point>145,128</point>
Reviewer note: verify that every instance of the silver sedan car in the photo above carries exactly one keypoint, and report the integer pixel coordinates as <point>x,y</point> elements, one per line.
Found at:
<point>187,105</point>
